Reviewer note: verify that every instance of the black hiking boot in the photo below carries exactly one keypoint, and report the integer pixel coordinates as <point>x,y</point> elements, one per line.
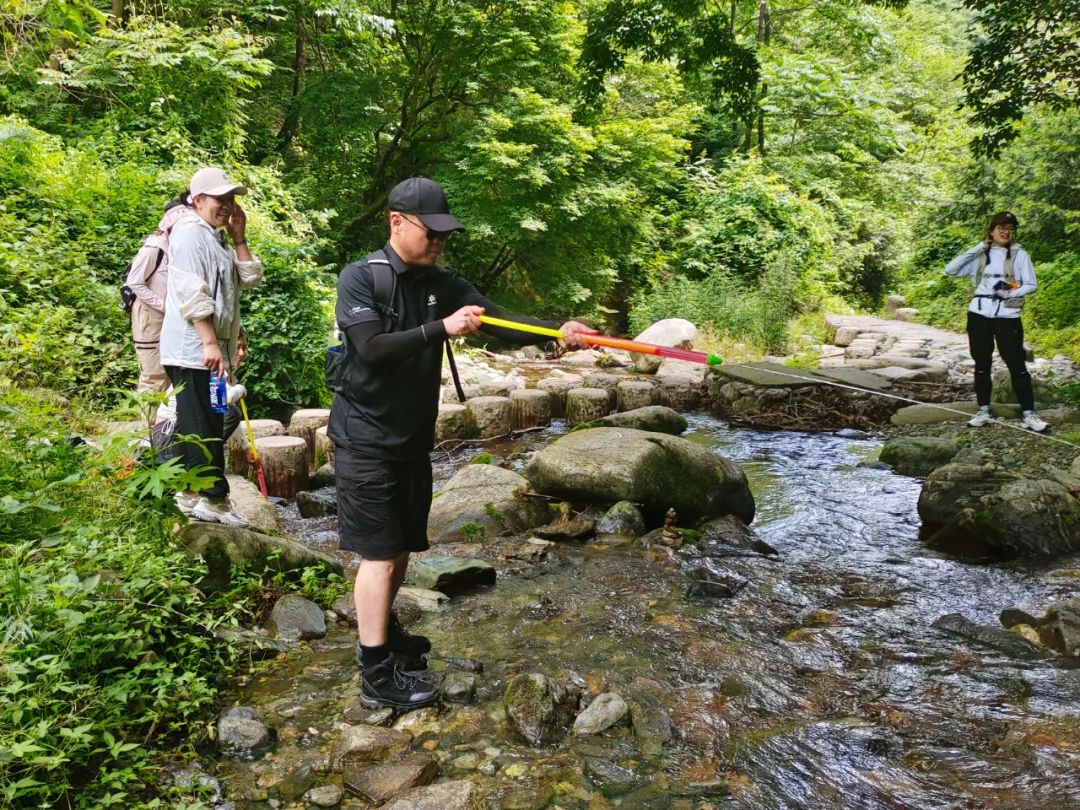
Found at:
<point>404,644</point>
<point>389,685</point>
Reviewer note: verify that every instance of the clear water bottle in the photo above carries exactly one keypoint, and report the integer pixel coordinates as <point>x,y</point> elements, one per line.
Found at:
<point>218,394</point>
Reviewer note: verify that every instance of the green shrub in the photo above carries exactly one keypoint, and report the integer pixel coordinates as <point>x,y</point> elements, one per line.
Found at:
<point>750,254</point>
<point>106,646</point>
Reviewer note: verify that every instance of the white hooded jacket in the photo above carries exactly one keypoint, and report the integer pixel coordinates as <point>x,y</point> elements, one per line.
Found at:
<point>985,301</point>
<point>205,279</point>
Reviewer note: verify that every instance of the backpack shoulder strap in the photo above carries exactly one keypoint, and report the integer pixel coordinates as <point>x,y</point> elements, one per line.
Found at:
<point>1007,271</point>
<point>980,268</point>
<point>384,286</point>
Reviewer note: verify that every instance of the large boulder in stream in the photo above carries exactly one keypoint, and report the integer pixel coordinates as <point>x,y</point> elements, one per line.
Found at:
<point>673,332</point>
<point>482,501</point>
<point>973,509</point>
<point>224,546</point>
<point>653,469</point>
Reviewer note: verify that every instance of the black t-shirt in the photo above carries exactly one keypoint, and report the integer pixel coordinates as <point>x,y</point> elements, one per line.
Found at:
<point>389,397</point>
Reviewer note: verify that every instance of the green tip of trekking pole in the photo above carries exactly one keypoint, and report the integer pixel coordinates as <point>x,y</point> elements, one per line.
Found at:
<point>714,360</point>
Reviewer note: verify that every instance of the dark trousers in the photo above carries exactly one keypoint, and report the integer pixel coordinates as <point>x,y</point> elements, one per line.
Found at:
<point>1009,333</point>
<point>195,417</point>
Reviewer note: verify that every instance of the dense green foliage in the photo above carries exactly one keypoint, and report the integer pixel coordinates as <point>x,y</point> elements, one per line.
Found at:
<point>106,646</point>
<point>746,165</point>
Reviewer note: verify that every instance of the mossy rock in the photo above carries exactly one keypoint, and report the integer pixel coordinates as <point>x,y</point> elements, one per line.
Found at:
<point>655,470</point>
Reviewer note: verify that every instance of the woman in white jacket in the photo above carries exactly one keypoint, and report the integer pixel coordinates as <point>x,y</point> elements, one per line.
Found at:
<point>202,324</point>
<point>1003,276</point>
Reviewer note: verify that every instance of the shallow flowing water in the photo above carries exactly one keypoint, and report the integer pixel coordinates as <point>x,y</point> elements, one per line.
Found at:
<point>820,684</point>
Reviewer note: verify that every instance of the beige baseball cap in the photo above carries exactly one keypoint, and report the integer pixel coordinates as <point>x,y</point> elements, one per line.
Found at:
<point>213,181</point>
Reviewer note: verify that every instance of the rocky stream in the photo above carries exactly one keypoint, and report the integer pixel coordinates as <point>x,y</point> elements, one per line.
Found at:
<point>816,679</point>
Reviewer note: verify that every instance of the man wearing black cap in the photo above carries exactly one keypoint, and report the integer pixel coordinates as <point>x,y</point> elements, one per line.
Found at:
<point>1003,276</point>
<point>383,419</point>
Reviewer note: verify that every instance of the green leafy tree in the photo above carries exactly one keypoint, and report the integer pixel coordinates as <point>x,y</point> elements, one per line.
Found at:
<point>1024,53</point>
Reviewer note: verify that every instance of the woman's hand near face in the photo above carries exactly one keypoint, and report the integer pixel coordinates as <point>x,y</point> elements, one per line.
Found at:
<point>237,224</point>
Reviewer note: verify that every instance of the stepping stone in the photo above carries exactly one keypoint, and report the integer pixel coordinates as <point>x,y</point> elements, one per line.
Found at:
<point>451,574</point>
<point>856,377</point>
<point>861,349</point>
<point>897,374</point>
<point>768,375</point>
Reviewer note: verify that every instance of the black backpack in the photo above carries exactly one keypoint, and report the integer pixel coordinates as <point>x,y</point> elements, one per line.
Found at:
<point>127,297</point>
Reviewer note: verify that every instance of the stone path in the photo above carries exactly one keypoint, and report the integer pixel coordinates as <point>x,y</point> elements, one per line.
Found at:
<point>897,350</point>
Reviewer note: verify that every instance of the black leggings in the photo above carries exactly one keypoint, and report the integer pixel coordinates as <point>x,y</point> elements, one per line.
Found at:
<point>194,416</point>
<point>1009,333</point>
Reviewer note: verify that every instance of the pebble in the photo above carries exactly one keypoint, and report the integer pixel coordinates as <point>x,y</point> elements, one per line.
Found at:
<point>325,796</point>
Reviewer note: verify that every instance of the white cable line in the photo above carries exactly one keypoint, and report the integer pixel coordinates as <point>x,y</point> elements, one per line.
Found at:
<point>825,381</point>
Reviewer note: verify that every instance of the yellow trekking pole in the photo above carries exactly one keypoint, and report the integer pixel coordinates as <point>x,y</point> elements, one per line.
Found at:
<point>255,460</point>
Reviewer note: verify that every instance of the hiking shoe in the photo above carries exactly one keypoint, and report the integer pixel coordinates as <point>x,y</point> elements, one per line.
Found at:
<point>218,510</point>
<point>185,503</point>
<point>1032,422</point>
<point>389,685</point>
<point>403,643</point>
<point>981,419</point>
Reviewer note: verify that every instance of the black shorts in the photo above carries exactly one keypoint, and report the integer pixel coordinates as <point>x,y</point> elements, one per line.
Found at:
<point>382,505</point>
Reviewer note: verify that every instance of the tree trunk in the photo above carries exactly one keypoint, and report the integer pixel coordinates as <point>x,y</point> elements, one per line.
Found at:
<point>305,422</point>
<point>237,445</point>
<point>285,462</point>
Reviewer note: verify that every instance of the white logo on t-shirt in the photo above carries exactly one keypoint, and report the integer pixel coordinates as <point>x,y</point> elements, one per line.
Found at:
<point>431,300</point>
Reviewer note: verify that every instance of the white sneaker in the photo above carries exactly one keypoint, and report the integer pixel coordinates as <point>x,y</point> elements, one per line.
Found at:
<point>980,419</point>
<point>185,503</point>
<point>218,511</point>
<point>1032,422</point>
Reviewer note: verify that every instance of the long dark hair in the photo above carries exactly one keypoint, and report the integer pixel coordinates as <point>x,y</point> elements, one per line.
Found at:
<point>183,198</point>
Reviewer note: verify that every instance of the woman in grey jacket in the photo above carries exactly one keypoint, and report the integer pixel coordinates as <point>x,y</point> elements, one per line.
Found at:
<point>1003,276</point>
<point>202,326</point>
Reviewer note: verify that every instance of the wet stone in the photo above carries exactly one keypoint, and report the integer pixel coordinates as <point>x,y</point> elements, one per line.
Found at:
<point>190,779</point>
<point>604,712</point>
<point>451,574</point>
<point>296,783</point>
<point>242,733</point>
<point>1061,628</point>
<point>325,796</point>
<point>325,476</point>
<point>317,503</point>
<point>295,618</point>
<point>539,708</point>
<point>623,518</point>
<point>459,687</point>
<point>371,717</point>
<point>251,643</point>
<point>363,743</point>
<point>652,726</point>
<point>425,599</point>
<point>1010,617</point>
<point>728,530</point>
<point>611,779</point>
<point>566,526</point>
<point>464,664</point>
<point>996,638</point>
<point>714,584</point>
<point>381,782</point>
<point>455,795</point>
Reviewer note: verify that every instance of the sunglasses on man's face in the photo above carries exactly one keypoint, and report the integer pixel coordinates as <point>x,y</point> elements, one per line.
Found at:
<point>432,235</point>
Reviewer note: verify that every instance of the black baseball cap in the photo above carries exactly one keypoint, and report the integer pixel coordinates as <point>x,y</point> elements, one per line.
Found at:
<point>425,198</point>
